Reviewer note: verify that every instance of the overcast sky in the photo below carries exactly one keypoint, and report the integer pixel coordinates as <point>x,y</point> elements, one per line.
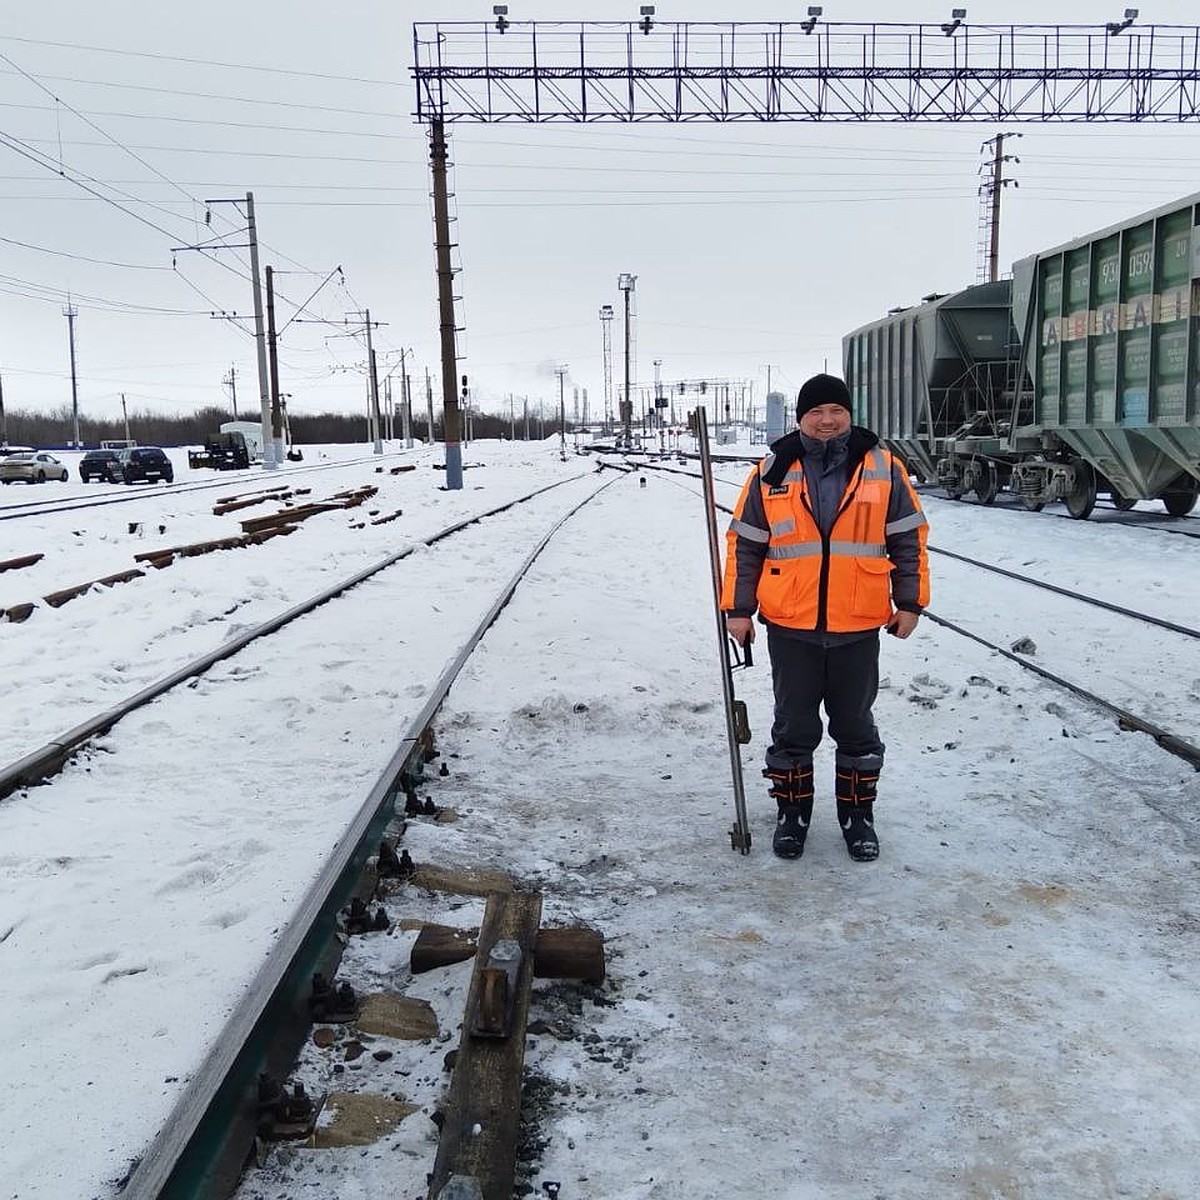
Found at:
<point>753,244</point>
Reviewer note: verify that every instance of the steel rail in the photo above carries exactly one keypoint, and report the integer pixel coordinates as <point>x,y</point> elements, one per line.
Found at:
<point>1178,746</point>
<point>39,508</point>
<point>49,758</point>
<point>1132,613</point>
<point>1168,741</point>
<point>182,1162</point>
<point>1051,587</point>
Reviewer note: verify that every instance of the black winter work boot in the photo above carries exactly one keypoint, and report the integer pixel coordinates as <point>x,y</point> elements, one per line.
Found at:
<point>793,791</point>
<point>856,781</point>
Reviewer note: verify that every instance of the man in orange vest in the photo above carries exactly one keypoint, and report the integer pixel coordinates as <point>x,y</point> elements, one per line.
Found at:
<point>827,544</point>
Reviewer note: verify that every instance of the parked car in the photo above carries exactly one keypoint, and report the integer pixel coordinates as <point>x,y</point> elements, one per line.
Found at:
<point>144,462</point>
<point>35,466</point>
<point>100,464</point>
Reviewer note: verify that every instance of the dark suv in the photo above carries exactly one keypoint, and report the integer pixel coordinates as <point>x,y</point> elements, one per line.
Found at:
<point>99,464</point>
<point>144,462</point>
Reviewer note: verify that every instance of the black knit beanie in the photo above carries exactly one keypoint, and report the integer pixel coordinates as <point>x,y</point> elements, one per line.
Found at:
<point>822,389</point>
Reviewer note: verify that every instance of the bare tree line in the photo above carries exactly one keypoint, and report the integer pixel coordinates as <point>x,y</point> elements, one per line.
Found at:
<point>55,430</point>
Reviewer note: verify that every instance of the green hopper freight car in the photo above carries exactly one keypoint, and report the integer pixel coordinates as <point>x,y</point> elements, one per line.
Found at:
<point>1093,388</point>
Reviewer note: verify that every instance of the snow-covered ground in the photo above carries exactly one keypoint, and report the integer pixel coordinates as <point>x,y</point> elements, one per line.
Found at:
<point>1002,1006</point>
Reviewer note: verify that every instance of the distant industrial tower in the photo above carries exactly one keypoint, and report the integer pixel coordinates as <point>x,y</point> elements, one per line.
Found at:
<point>606,318</point>
<point>988,263</point>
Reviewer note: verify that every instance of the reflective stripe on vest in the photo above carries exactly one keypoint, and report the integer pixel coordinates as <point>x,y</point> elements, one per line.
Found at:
<point>809,549</point>
<point>751,533</point>
<point>912,521</point>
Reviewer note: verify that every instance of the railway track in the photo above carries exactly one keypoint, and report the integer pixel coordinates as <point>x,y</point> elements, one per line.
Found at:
<point>219,710</point>
<point>1152,702</point>
<point>587,764</point>
<point>222,481</point>
<point>38,764</point>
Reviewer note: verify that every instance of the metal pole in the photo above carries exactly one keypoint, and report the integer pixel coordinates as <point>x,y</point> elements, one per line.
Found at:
<point>561,372</point>
<point>260,340</point>
<point>406,410</point>
<point>273,364</point>
<point>994,251</point>
<point>373,376</point>
<point>71,312</point>
<point>125,416</point>
<point>628,414</point>
<point>429,404</point>
<point>438,156</point>
<point>740,833</point>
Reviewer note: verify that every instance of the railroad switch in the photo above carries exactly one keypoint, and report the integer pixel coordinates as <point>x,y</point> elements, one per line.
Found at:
<point>493,1015</point>
<point>332,1005</point>
<point>284,1115</point>
<point>360,919</point>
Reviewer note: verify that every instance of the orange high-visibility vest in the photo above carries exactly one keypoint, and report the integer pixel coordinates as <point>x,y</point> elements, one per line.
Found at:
<point>851,570</point>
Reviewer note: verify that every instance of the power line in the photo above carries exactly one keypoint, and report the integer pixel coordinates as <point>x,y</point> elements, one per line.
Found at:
<point>211,121</point>
<point>141,87</point>
<point>202,62</point>
<point>104,262</point>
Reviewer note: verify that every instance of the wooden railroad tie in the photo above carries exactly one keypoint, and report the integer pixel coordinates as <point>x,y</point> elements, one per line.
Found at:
<point>15,564</point>
<point>167,555</point>
<point>270,491</point>
<point>573,953</point>
<point>22,612</point>
<point>477,1152</point>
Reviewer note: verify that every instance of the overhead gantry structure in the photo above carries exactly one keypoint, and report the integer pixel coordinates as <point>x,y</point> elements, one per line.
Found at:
<point>651,71</point>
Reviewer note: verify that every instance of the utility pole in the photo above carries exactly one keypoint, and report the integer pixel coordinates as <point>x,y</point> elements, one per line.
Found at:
<point>231,381</point>
<point>3,418</point>
<point>406,409</point>
<point>561,372</point>
<point>71,312</point>
<point>525,415</point>
<point>125,416</point>
<point>512,419</point>
<point>270,462</point>
<point>626,283</point>
<point>429,404</point>
<point>405,399</point>
<point>276,414</point>
<point>989,216</point>
<point>657,392</point>
<point>372,386</point>
<point>439,153</point>
<point>373,375</point>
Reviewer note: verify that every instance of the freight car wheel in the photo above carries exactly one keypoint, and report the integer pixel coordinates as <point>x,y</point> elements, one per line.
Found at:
<point>1180,498</point>
<point>1081,499</point>
<point>988,482</point>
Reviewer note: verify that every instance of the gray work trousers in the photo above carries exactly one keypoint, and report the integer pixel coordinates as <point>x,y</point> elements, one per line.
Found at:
<point>844,677</point>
